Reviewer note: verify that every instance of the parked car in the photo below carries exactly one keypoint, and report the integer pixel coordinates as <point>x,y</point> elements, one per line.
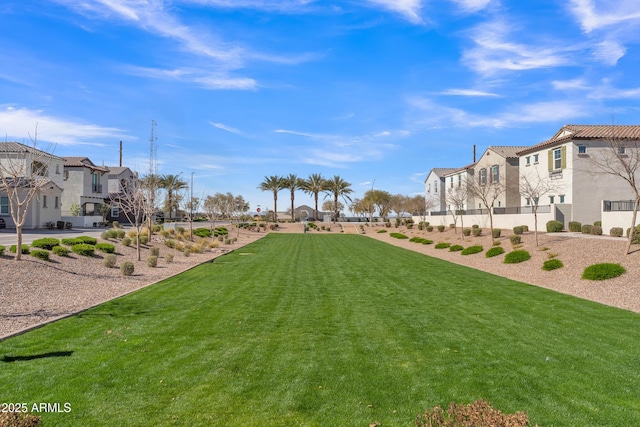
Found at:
<point>2,223</point>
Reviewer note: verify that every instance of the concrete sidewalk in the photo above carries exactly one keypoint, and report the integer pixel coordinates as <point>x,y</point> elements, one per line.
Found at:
<point>8,236</point>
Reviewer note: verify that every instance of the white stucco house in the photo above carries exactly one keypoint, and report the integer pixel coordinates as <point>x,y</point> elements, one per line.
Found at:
<point>435,195</point>
<point>85,184</point>
<point>456,182</point>
<point>500,165</point>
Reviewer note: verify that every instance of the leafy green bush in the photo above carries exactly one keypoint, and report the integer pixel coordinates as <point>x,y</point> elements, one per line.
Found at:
<point>126,241</point>
<point>87,240</point>
<point>515,257</point>
<point>554,226</point>
<point>127,268</point>
<point>586,229</point>
<point>83,249</point>
<point>202,232</point>
<point>525,228</point>
<point>168,258</point>
<point>441,228</point>
<point>1,250</point>
<point>426,241</point>
<point>475,226</point>
<point>429,228</point>
<point>552,264</point>
<point>515,239</point>
<point>120,234</point>
<point>596,230</point>
<point>476,231</point>
<point>144,239</point>
<point>152,261</point>
<point>455,248</point>
<point>60,250</point>
<point>495,251</point>
<point>221,231</point>
<point>25,249</point>
<point>603,271</point>
<point>381,231</point>
<point>466,231</point>
<point>442,245</point>
<point>616,232</point>
<point>518,229</point>
<point>112,233</point>
<point>70,241</point>
<point>597,223</point>
<point>472,250</point>
<point>154,251</point>
<point>575,226</point>
<point>107,248</point>
<point>46,243</point>
<point>496,233</point>
<point>40,254</point>
<point>394,235</point>
<point>109,260</point>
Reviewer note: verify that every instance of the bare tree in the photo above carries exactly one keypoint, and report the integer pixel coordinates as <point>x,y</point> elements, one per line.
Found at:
<point>533,188</point>
<point>456,199</point>
<point>131,201</point>
<point>150,186</point>
<point>23,176</point>
<point>399,203</point>
<point>417,206</point>
<point>213,209</point>
<point>487,193</point>
<point>621,158</point>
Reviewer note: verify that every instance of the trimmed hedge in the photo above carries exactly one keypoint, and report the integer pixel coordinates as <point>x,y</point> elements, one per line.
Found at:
<point>398,236</point>
<point>552,264</point>
<point>476,231</point>
<point>515,257</point>
<point>496,233</point>
<point>515,239</point>
<point>586,229</point>
<point>518,229</point>
<point>466,232</point>
<point>152,261</point>
<point>71,241</point>
<point>25,249</point>
<point>495,251</point>
<point>107,248</point>
<point>60,250</point>
<point>596,230</point>
<point>381,231</point>
<point>202,232</point>
<point>455,248</point>
<point>472,250</point>
<point>127,268</point>
<point>554,226</point>
<point>575,226</point>
<point>442,245</point>
<point>40,254</point>
<point>603,271</point>
<point>616,231</point>
<point>441,228</point>
<point>87,240</point>
<point>83,249</point>
<point>47,243</point>
<point>109,260</point>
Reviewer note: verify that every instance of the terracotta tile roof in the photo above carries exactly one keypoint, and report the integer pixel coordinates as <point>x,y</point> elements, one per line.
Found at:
<point>439,172</point>
<point>586,132</point>
<point>16,147</point>
<point>470,166</point>
<point>506,151</point>
<point>82,162</point>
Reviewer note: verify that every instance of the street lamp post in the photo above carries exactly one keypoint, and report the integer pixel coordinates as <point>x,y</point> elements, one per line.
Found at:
<point>191,209</point>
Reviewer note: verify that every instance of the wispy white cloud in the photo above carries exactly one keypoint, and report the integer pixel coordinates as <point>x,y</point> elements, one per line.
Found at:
<point>201,77</point>
<point>577,84</point>
<point>225,127</point>
<point>495,51</point>
<point>471,6</point>
<point>468,92</point>
<point>609,52</point>
<point>19,123</point>
<point>409,9</point>
<point>597,14</point>
<point>286,6</point>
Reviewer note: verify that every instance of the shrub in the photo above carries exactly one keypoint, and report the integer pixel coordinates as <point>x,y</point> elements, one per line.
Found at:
<point>515,257</point>
<point>154,251</point>
<point>554,226</point>
<point>168,258</point>
<point>83,249</point>
<point>496,232</point>
<point>442,245</point>
<point>466,231</point>
<point>40,254</point>
<point>455,248</point>
<point>475,226</point>
<point>596,230</point>
<point>496,243</point>
<point>18,419</point>
<point>107,248</point>
<point>46,243</point>
<point>202,232</point>
<point>477,414</point>
<point>441,228</point>
<point>127,268</point>
<point>87,240</point>
<point>472,250</point>
<point>575,226</point>
<point>515,239</point>
<point>104,235</point>
<point>429,228</point>
<point>116,224</point>
<point>180,230</point>
<point>152,261</point>
<point>60,250</point>
<point>426,241</point>
<point>109,260</point>
<point>525,228</point>
<point>518,229</point>
<point>476,231</point>
<point>25,249</point>
<point>70,241</point>
<point>603,271</point>
<point>452,226</point>
<point>586,229</point>
<point>1,250</point>
<point>120,234</point>
<point>398,236</point>
<point>144,239</point>
<point>126,241</point>
<point>381,231</point>
<point>409,225</point>
<point>495,251</point>
<point>552,264</point>
<point>616,232</point>
<point>112,233</point>
<point>597,223</point>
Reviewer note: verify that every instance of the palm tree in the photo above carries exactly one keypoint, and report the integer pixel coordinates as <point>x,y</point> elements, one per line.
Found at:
<point>273,183</point>
<point>314,185</point>
<point>173,184</point>
<point>337,187</point>
<point>293,183</point>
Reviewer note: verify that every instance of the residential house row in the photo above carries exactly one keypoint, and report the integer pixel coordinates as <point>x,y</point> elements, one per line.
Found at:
<point>69,189</point>
<point>567,163</point>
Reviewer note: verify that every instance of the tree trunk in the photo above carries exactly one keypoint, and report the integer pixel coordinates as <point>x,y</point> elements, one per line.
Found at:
<point>316,217</point>
<point>491,223</point>
<point>19,245</point>
<point>275,207</point>
<point>633,224</point>
<point>535,223</point>
<point>293,216</point>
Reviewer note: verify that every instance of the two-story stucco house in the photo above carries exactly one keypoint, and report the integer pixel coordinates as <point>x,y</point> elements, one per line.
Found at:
<point>500,165</point>
<point>569,160</point>
<point>435,195</point>
<point>85,185</point>
<point>117,179</point>
<point>29,168</point>
<point>456,188</point>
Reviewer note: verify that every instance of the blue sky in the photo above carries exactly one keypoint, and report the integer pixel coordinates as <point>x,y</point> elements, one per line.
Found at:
<point>364,89</point>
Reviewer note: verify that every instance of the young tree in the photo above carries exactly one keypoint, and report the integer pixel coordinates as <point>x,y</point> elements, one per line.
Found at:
<point>487,193</point>
<point>534,187</point>
<point>399,203</point>
<point>23,176</point>
<point>331,206</point>
<point>314,185</point>
<point>239,208</point>
<point>213,208</point>
<point>456,199</point>
<point>131,201</point>
<point>417,206</point>
<point>150,185</point>
<point>381,201</point>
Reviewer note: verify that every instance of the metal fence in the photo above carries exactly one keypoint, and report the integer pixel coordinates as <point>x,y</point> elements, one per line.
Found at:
<point>618,205</point>
<point>522,210</point>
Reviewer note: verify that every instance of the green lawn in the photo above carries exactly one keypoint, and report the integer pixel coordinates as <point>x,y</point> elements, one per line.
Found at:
<point>329,330</point>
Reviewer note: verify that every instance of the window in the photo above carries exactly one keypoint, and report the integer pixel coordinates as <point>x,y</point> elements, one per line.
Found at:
<point>528,159</point>
<point>435,187</point>
<point>557,158</point>
<point>57,168</point>
<point>535,159</point>
<point>44,201</point>
<point>450,182</point>
<point>4,205</point>
<point>39,168</point>
<point>65,175</point>
<point>56,203</point>
<point>535,200</point>
<point>115,210</point>
<point>551,198</point>
<point>95,183</point>
<point>482,177</point>
<point>582,149</point>
<point>495,173</point>
<point>561,197</point>
<point>459,180</point>
<point>429,188</point>
<point>621,150</point>
<point>528,201</point>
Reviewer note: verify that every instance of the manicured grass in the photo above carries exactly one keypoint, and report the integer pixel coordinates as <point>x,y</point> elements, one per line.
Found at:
<point>329,330</point>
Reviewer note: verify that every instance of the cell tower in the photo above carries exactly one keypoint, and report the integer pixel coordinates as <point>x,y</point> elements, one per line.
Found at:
<point>153,150</point>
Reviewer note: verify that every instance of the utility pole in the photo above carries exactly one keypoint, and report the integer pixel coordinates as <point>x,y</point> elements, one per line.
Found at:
<point>191,208</point>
